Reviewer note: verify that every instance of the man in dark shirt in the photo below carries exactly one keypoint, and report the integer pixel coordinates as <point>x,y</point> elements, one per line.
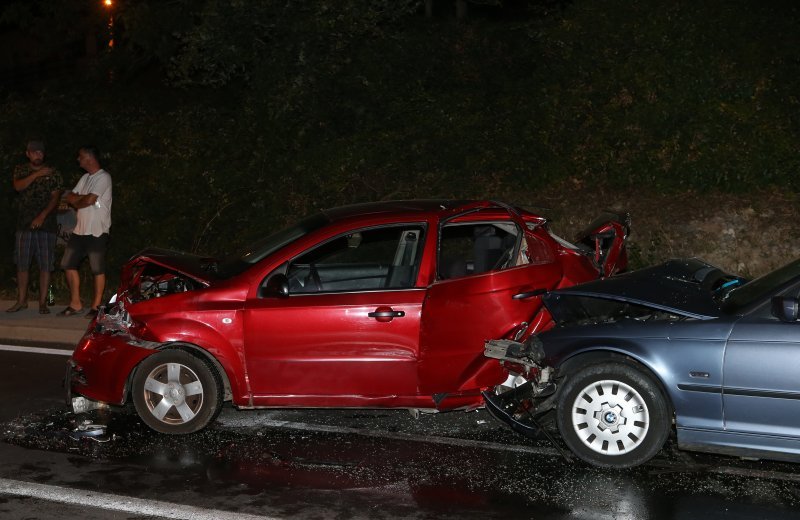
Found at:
<point>39,188</point>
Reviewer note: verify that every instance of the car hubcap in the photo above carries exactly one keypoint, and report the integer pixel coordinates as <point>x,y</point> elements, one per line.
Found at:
<point>610,417</point>
<point>173,393</point>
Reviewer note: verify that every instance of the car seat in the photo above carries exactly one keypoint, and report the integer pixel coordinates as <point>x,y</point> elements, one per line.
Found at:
<point>487,248</point>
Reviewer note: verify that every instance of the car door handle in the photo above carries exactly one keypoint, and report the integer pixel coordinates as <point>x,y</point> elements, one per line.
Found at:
<point>528,294</point>
<point>387,314</point>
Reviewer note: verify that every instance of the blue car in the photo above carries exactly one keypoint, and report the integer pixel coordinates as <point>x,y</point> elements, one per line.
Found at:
<point>682,347</point>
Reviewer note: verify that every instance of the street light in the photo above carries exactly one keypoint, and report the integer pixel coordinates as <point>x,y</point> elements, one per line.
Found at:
<point>109,4</point>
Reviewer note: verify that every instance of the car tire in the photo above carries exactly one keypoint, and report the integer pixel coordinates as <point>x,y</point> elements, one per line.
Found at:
<point>613,415</point>
<point>175,392</point>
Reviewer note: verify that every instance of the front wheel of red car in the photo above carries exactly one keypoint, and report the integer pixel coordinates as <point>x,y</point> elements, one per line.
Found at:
<point>175,392</point>
<point>613,415</point>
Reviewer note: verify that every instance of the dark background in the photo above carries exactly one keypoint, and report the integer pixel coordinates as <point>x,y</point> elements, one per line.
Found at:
<point>221,121</point>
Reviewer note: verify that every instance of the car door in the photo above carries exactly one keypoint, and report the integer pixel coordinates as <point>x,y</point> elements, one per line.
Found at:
<point>348,329</point>
<point>761,389</point>
<point>490,278</point>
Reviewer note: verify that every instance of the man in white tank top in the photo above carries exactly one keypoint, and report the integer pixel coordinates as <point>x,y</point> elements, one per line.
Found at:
<point>91,197</point>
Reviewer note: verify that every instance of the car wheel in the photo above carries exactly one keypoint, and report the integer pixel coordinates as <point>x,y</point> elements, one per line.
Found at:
<point>612,415</point>
<point>175,392</point>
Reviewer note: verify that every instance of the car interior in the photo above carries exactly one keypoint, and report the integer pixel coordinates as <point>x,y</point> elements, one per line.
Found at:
<point>475,248</point>
<point>380,258</point>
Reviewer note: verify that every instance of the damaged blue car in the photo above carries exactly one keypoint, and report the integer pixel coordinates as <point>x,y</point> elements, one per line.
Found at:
<point>682,348</point>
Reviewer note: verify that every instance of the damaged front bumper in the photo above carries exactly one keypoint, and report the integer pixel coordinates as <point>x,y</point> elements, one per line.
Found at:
<point>99,366</point>
<point>74,378</point>
<point>505,408</point>
<point>529,391</point>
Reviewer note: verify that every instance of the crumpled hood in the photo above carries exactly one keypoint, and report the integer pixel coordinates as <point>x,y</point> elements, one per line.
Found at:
<point>674,286</point>
<point>199,268</point>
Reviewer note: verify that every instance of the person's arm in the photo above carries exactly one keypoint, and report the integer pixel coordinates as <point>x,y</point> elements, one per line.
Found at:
<point>81,201</point>
<point>101,186</point>
<point>20,183</point>
<point>51,206</point>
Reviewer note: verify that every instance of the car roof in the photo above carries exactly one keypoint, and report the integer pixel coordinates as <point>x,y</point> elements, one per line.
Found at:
<point>396,207</point>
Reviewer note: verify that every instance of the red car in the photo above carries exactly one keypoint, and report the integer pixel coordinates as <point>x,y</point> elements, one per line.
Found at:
<point>378,305</point>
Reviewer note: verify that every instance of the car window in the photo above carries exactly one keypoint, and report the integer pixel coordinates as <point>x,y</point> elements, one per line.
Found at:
<point>478,247</point>
<point>363,260</point>
<point>743,296</point>
<point>238,263</point>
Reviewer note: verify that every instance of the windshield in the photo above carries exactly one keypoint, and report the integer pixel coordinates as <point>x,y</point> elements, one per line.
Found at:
<point>760,288</point>
<point>268,245</point>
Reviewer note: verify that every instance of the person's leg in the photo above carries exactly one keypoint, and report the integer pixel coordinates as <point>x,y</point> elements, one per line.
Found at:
<point>97,261</point>
<point>22,257</point>
<point>99,287</point>
<point>22,287</point>
<point>45,257</point>
<point>44,283</point>
<point>73,254</point>
<point>74,284</point>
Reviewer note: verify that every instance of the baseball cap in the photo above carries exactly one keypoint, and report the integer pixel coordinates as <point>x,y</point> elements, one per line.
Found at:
<point>35,146</point>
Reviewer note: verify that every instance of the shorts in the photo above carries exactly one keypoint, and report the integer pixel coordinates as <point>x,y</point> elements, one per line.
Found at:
<point>81,246</point>
<point>39,244</point>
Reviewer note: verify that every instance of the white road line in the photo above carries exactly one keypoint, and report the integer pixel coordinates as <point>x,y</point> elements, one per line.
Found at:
<point>36,350</point>
<point>431,439</point>
<point>452,441</point>
<point>110,502</point>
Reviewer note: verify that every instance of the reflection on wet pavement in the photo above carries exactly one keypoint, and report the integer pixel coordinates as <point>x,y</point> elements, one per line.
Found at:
<point>402,476</point>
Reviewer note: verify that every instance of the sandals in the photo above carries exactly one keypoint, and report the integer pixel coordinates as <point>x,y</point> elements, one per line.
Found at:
<point>69,311</point>
<point>91,314</point>
<point>17,307</point>
<point>43,309</point>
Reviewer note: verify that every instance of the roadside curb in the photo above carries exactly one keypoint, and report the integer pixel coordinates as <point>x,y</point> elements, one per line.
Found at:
<point>31,327</point>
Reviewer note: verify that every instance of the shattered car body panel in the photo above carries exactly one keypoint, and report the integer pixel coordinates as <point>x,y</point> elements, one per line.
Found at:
<point>372,305</point>
<point>156,268</point>
<point>712,352</point>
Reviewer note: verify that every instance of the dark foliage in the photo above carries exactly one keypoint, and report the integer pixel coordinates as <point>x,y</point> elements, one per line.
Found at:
<point>225,119</point>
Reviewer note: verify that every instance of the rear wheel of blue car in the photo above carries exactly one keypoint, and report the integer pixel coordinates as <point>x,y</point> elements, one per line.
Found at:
<point>613,415</point>
<point>175,392</point>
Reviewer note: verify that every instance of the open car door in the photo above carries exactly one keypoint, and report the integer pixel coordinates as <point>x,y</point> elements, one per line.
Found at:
<point>491,273</point>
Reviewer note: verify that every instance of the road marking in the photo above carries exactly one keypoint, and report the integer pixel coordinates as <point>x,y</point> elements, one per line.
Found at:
<point>36,350</point>
<point>515,448</point>
<point>536,450</point>
<point>447,441</point>
<point>110,502</point>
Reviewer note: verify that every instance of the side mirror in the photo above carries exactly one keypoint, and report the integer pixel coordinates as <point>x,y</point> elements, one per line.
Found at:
<point>785,308</point>
<point>276,287</point>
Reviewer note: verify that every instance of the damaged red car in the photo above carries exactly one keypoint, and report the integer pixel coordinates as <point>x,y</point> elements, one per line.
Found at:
<point>377,305</point>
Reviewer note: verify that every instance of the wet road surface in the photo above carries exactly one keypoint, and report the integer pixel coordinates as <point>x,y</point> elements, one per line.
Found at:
<point>342,464</point>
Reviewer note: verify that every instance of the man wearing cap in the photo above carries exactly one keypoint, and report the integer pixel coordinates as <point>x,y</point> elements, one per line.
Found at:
<point>92,198</point>
<point>39,189</point>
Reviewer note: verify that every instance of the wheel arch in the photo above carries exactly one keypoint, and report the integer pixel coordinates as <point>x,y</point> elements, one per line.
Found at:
<point>195,351</point>
<point>604,355</point>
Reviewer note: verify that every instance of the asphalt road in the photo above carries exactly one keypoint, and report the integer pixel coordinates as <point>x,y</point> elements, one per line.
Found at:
<point>338,464</point>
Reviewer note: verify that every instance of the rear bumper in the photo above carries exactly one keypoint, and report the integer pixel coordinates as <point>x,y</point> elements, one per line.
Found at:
<point>501,411</point>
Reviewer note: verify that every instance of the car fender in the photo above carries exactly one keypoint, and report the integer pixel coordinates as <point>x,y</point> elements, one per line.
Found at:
<point>224,350</point>
<point>596,354</point>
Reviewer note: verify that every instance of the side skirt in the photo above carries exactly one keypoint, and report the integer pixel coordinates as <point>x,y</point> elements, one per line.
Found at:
<point>738,444</point>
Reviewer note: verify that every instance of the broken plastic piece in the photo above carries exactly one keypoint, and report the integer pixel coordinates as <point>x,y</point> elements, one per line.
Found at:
<point>87,429</point>
<point>81,405</point>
